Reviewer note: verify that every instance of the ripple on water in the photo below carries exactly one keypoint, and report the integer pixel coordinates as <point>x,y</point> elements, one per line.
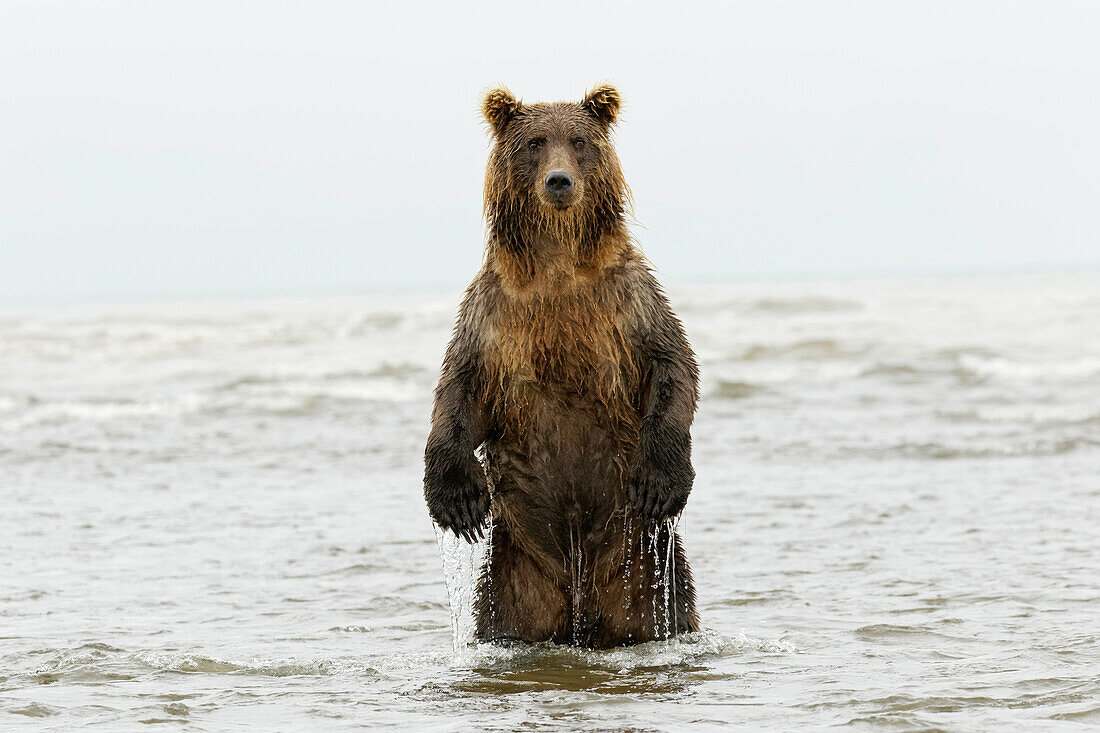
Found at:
<point>654,669</point>
<point>747,598</point>
<point>684,649</point>
<point>197,664</point>
<point>894,633</point>
<point>34,710</point>
<point>1088,713</point>
<point>726,389</point>
<point>92,663</point>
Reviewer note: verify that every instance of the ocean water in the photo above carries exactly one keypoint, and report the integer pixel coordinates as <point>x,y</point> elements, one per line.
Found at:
<point>212,519</point>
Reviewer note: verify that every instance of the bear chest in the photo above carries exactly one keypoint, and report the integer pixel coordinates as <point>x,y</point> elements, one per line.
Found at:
<point>571,352</point>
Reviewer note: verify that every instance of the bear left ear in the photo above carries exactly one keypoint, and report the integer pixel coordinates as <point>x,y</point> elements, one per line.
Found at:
<point>499,108</point>
<point>603,103</point>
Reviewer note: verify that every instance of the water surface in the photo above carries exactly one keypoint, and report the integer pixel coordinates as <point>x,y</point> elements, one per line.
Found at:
<point>212,519</point>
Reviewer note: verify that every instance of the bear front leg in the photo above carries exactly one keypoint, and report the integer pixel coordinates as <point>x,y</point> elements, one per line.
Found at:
<point>660,472</point>
<point>454,479</point>
<point>454,483</point>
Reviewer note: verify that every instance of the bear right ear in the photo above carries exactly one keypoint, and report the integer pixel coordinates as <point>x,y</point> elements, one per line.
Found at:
<point>500,107</point>
<point>603,103</point>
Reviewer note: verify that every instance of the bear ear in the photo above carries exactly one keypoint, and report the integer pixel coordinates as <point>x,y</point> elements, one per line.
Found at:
<point>603,103</point>
<point>499,107</point>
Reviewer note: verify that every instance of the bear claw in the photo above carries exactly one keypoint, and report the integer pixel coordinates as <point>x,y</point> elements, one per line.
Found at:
<point>656,496</point>
<point>460,509</point>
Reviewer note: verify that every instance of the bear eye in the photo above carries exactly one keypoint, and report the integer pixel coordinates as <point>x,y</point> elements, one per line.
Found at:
<point>578,144</point>
<point>535,144</point>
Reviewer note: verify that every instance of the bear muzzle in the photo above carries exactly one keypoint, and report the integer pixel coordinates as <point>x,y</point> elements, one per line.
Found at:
<point>559,187</point>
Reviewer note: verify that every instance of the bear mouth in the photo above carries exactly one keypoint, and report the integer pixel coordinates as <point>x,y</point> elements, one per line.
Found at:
<point>559,202</point>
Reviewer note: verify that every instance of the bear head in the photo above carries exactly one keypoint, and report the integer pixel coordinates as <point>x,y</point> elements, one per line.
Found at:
<point>553,170</point>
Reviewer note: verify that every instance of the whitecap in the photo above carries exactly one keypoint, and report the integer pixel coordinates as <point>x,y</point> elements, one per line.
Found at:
<point>1000,367</point>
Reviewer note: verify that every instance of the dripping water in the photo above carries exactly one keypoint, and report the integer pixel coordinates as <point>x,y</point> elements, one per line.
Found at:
<point>462,563</point>
<point>628,555</point>
<point>662,549</point>
<point>673,524</point>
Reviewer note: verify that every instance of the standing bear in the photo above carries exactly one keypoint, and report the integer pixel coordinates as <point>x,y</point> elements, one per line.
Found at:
<point>571,374</point>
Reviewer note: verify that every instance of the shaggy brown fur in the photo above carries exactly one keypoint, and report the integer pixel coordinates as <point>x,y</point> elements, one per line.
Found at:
<point>570,371</point>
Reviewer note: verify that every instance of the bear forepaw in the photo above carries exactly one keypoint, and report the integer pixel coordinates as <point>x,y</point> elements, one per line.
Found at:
<point>658,495</point>
<point>458,500</point>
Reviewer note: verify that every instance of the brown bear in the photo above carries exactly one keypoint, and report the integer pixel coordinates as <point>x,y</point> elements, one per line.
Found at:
<point>572,375</point>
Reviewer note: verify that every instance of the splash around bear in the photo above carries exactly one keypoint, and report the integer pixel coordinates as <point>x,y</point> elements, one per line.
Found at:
<point>572,375</point>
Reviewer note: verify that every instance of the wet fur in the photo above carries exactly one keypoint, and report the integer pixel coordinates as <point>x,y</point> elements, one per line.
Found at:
<point>569,370</point>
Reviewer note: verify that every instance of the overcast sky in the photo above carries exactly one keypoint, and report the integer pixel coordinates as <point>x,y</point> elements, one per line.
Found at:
<point>189,148</point>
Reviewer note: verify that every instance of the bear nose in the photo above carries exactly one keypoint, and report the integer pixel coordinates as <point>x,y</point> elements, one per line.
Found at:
<point>558,182</point>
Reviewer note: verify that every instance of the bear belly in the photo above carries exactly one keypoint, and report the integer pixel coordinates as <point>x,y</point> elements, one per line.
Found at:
<point>560,487</point>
